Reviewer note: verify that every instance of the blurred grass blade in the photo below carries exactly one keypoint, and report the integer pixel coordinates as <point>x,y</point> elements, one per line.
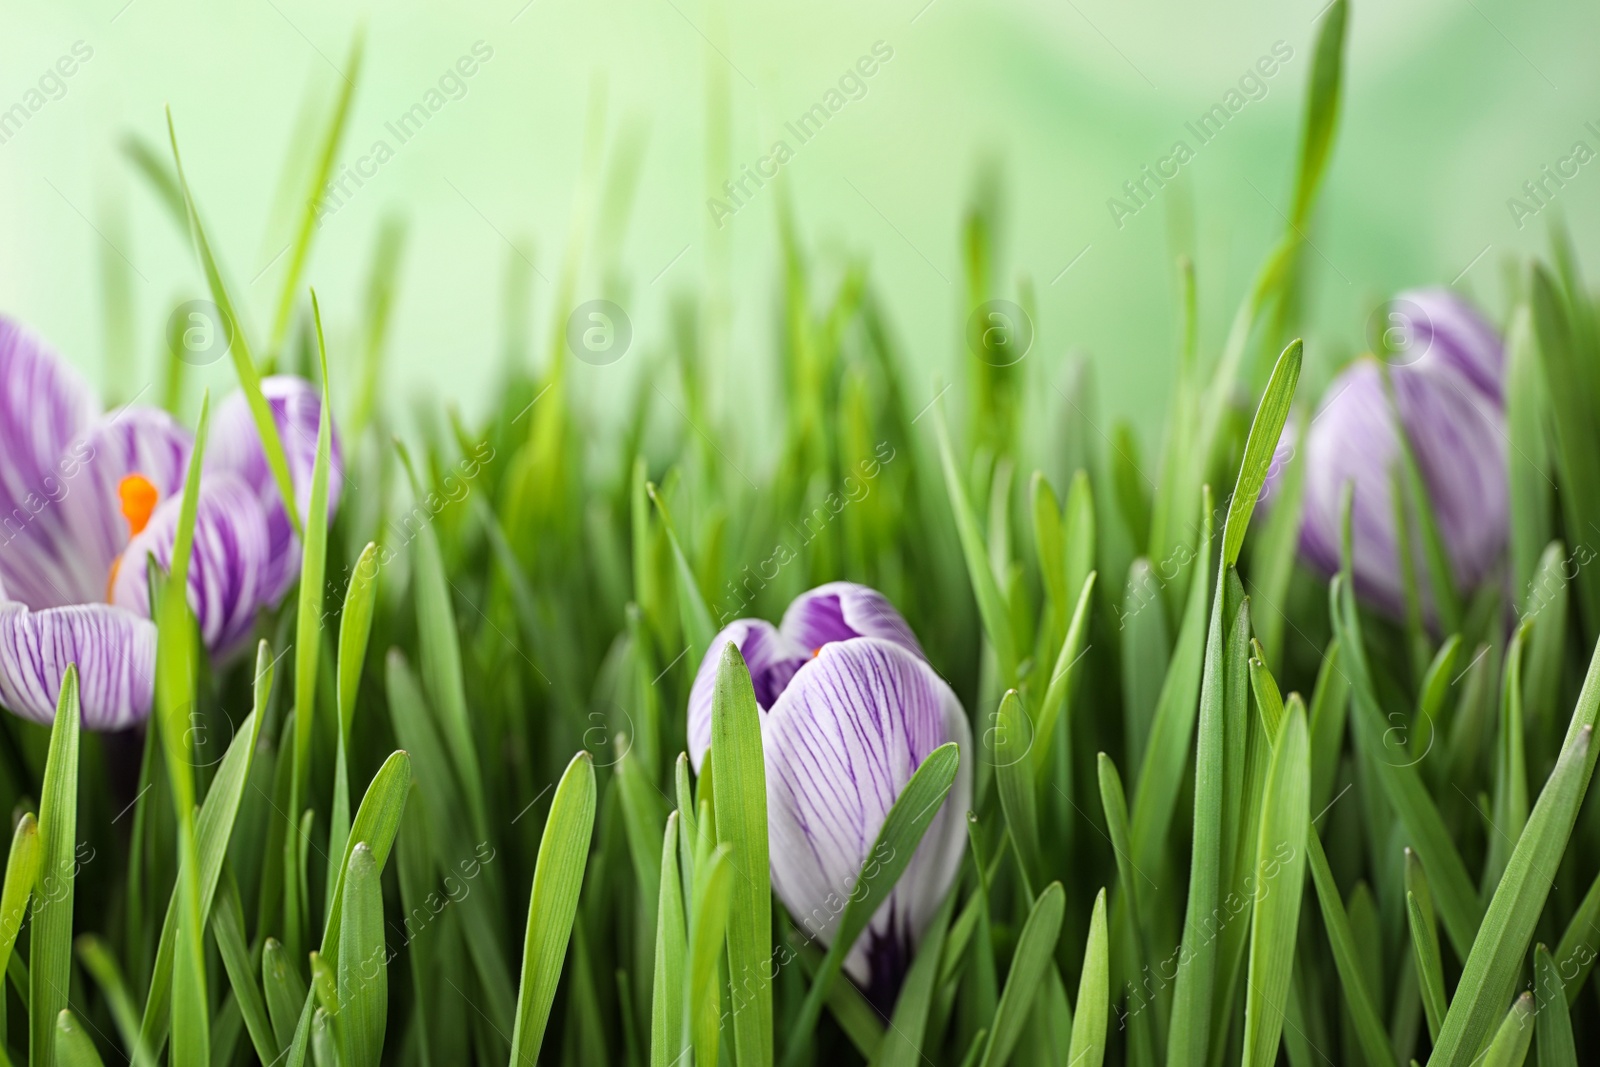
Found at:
<point>1061,678</point>
<point>1322,112</point>
<point>1093,1008</point>
<point>363,962</point>
<point>914,810</point>
<point>991,603</point>
<point>552,904</point>
<point>95,955</point>
<point>741,814</point>
<point>284,990</point>
<point>243,363</point>
<point>698,627</point>
<point>1280,870</point>
<point>300,247</point>
<point>1036,946</point>
<point>50,940</point>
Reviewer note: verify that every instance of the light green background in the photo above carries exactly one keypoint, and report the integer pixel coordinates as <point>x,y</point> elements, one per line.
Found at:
<point>1450,106</point>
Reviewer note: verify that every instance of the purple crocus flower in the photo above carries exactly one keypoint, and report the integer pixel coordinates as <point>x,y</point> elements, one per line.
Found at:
<point>850,709</point>
<point>1446,366</point>
<point>87,497</point>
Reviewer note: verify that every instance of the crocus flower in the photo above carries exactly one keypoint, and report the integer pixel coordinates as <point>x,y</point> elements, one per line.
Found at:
<point>850,709</point>
<point>1446,365</point>
<point>86,498</point>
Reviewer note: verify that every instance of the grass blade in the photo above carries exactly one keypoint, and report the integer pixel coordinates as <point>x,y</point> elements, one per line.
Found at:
<point>1371,1035</point>
<point>1553,1023</point>
<point>1280,874</point>
<point>50,955</point>
<point>1510,1045</point>
<point>552,904</point>
<point>1036,946</point>
<point>363,962</point>
<point>741,814</point>
<point>1093,1007</point>
<point>668,1006</point>
<point>74,1047</point>
<point>902,1042</point>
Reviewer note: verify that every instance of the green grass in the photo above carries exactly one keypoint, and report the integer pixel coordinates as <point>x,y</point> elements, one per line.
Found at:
<point>1222,812</point>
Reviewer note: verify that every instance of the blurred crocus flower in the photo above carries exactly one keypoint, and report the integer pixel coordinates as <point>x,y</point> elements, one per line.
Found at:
<point>1446,366</point>
<point>850,709</point>
<point>87,497</point>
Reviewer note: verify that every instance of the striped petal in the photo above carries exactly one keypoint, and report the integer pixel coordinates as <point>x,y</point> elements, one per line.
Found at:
<point>44,408</point>
<point>234,447</point>
<point>226,570</point>
<point>842,741</point>
<point>115,651</point>
<point>839,611</point>
<point>772,660</point>
<point>143,441</point>
<point>1459,441</point>
<point>1437,327</point>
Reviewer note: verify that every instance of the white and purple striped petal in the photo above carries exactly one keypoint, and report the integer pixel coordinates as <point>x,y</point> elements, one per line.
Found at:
<point>772,660</point>
<point>1442,329</point>
<point>839,611</point>
<point>234,447</point>
<point>842,741</point>
<point>226,569</point>
<point>115,651</point>
<point>44,408</point>
<point>1459,441</point>
<point>135,441</point>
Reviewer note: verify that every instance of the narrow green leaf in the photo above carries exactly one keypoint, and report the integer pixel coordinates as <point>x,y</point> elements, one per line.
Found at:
<point>1425,944</point>
<point>1322,112</point>
<point>1279,878</point>
<point>1265,431</point>
<point>1371,1035</point>
<point>698,627</point>
<point>991,603</point>
<point>243,363</point>
<point>1093,1007</point>
<point>1010,741</point>
<point>1502,940</point>
<point>1553,1023</point>
<point>300,246</point>
<point>668,1004</point>
<point>1061,678</point>
<point>376,824</point>
<point>1036,946</point>
<point>713,889</point>
<point>227,926</point>
<point>284,989</point>
<point>50,941</point>
<point>1511,1042</point>
<point>22,874</point>
<point>1330,703</point>
<point>96,957</point>
<point>73,1046</point>
<point>552,904</point>
<point>363,962</point>
<point>355,627</point>
<point>741,814</point>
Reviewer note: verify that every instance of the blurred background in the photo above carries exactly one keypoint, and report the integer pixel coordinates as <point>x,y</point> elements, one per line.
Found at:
<point>1450,106</point>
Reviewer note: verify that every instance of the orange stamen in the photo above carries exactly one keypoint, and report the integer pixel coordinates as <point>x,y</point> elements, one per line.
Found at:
<point>139,499</point>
